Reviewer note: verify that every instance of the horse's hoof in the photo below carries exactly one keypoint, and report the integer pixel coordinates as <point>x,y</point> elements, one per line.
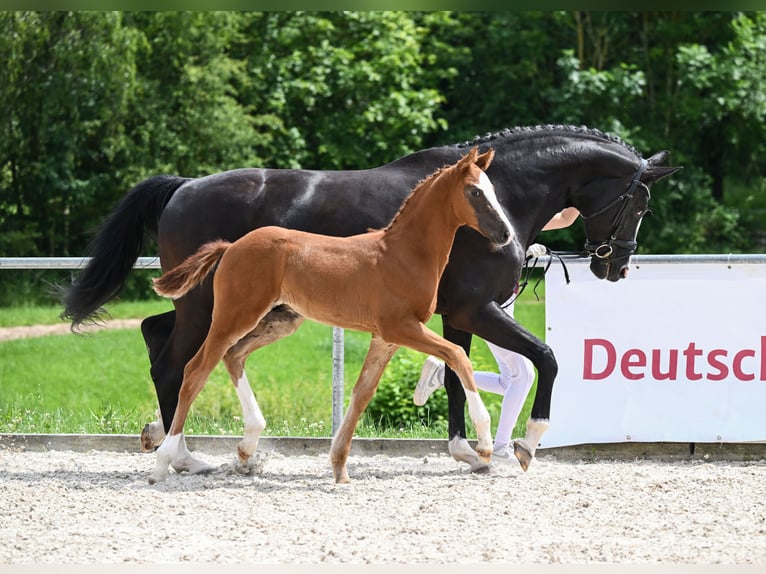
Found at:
<point>341,475</point>
<point>150,438</point>
<point>485,454</point>
<point>480,467</point>
<point>523,454</point>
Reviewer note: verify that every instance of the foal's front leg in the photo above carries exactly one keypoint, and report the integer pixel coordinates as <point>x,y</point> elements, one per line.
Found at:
<point>378,356</point>
<point>420,338</point>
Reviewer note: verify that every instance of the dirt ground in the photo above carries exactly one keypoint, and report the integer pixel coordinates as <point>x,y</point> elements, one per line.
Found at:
<point>64,507</point>
<point>82,508</point>
<point>10,333</point>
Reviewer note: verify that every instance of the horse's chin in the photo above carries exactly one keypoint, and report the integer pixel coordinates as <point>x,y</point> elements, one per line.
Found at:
<point>599,269</point>
<point>624,272</point>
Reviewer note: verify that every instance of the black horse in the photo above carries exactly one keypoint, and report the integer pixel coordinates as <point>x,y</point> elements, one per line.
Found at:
<point>537,171</point>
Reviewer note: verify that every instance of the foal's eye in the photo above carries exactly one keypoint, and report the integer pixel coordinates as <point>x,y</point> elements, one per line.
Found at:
<point>475,192</point>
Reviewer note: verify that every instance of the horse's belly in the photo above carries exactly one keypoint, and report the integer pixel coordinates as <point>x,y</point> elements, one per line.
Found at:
<point>333,309</point>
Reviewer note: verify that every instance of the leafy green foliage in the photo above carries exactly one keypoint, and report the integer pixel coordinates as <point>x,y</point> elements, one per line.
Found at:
<point>93,102</point>
<point>392,405</point>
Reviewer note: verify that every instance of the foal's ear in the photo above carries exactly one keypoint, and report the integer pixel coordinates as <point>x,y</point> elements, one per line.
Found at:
<point>470,157</point>
<point>485,159</point>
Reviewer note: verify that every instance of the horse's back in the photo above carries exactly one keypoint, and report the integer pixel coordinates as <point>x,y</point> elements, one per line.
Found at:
<point>229,204</point>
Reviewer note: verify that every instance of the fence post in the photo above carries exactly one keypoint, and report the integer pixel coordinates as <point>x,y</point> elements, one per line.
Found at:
<point>337,378</point>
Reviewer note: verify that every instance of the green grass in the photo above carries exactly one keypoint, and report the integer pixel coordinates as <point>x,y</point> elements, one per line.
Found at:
<point>24,315</point>
<point>100,382</point>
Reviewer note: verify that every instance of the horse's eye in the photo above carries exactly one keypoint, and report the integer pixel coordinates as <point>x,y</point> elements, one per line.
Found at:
<point>475,192</point>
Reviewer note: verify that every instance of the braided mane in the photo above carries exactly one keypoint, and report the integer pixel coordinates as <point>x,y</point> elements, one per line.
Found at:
<point>507,132</point>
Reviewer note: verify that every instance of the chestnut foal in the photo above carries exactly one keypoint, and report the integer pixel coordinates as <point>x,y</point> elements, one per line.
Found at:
<point>383,282</point>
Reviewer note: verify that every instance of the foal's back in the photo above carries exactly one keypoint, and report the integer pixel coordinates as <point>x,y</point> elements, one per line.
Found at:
<point>340,281</point>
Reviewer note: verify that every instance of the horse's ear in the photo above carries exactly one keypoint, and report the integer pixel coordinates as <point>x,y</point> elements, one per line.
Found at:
<point>470,157</point>
<point>655,170</point>
<point>658,158</point>
<point>485,159</point>
<point>656,173</point>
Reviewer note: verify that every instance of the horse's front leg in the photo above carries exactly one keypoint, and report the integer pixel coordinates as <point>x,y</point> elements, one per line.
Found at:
<point>458,445</point>
<point>378,356</point>
<point>491,323</point>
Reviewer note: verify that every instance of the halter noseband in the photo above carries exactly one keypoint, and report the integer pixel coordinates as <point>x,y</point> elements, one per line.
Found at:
<point>604,249</point>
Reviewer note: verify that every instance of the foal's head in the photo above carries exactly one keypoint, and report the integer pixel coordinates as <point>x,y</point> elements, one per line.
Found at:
<point>478,207</point>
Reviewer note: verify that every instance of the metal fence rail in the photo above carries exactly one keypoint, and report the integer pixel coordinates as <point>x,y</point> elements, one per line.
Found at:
<point>154,262</point>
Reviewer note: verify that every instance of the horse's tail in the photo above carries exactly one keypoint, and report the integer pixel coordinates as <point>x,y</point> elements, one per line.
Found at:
<point>191,272</point>
<point>115,249</point>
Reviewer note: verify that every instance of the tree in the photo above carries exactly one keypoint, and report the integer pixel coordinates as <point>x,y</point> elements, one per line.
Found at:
<point>64,88</point>
<point>347,89</point>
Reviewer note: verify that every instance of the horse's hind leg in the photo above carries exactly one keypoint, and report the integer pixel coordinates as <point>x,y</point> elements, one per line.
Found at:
<point>278,323</point>
<point>156,331</point>
<point>378,356</point>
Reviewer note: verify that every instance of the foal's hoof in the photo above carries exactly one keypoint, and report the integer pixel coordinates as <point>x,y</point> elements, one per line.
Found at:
<point>523,454</point>
<point>341,475</point>
<point>485,454</point>
<point>157,477</point>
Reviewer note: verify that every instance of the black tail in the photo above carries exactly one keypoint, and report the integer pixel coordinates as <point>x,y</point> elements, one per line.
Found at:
<point>116,248</point>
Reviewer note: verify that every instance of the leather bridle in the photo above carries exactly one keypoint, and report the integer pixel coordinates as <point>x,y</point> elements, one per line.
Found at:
<point>604,249</point>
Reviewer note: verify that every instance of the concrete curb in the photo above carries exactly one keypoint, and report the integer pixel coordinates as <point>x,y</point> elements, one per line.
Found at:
<point>295,446</point>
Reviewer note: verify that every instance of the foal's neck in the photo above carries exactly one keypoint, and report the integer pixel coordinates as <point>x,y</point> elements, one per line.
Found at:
<point>426,224</point>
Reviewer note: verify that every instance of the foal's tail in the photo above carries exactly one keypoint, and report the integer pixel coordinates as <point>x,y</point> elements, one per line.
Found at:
<point>192,271</point>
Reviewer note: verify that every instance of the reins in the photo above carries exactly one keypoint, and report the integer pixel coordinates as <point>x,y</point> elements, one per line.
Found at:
<point>527,272</point>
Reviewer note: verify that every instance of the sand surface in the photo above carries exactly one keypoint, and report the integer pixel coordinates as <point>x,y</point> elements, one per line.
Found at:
<point>64,507</point>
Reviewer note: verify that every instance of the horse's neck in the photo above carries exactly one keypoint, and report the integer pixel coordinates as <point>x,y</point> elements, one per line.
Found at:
<point>539,170</point>
<point>424,228</point>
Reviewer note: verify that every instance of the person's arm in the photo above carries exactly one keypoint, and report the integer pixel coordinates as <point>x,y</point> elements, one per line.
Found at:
<point>563,218</point>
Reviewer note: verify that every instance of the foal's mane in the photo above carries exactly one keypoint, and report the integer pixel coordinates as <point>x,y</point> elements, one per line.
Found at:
<point>507,132</point>
<point>426,181</point>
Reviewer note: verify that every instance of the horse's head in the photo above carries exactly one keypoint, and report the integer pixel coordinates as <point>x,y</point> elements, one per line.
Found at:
<point>611,228</point>
<point>483,211</point>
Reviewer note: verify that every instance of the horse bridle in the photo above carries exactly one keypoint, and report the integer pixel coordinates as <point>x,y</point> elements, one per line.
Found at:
<point>593,249</point>
<point>604,249</point>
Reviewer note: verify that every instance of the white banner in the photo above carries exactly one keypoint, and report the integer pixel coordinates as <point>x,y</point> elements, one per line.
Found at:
<point>673,353</point>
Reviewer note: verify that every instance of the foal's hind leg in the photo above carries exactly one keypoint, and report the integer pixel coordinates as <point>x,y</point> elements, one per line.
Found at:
<point>278,323</point>
<point>378,356</point>
<point>227,328</point>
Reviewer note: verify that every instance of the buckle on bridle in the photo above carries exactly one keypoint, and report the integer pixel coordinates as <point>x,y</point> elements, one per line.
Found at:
<point>602,251</point>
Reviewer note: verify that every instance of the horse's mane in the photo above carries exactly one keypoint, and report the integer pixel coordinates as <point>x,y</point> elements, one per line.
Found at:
<point>507,132</point>
<point>421,184</point>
